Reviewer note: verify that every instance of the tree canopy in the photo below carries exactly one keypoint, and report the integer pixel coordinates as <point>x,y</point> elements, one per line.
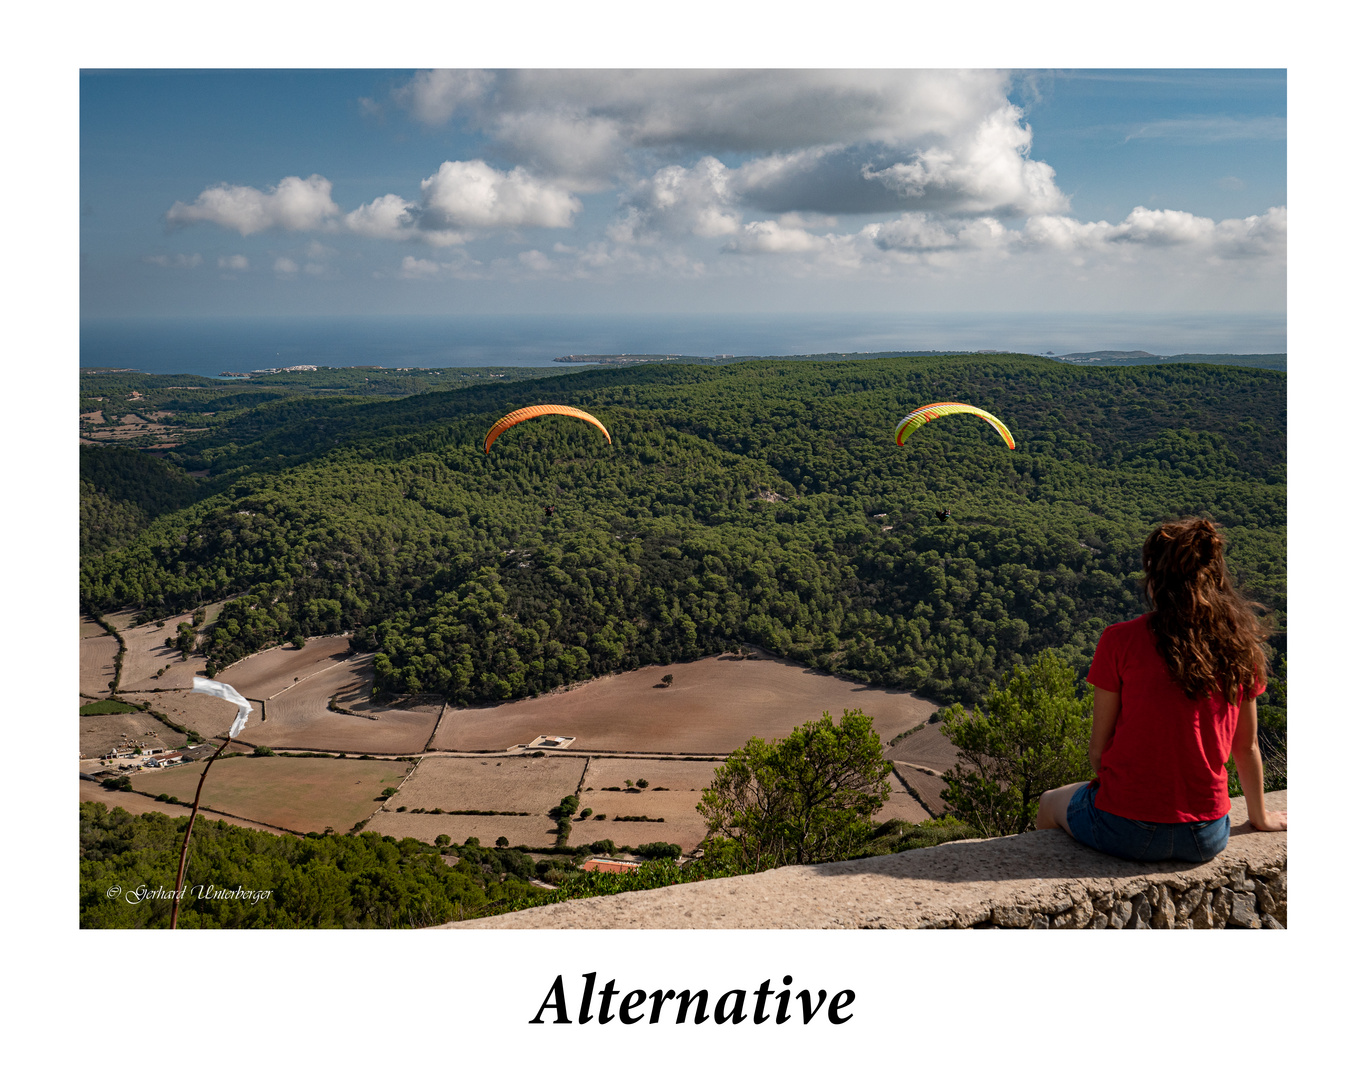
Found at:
<point>806,798</point>
<point>1029,735</point>
<point>762,501</point>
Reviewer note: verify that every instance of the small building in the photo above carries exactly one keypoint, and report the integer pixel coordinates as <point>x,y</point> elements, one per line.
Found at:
<point>610,866</point>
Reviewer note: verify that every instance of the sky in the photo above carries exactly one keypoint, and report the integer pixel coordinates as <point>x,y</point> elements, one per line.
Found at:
<point>502,191</point>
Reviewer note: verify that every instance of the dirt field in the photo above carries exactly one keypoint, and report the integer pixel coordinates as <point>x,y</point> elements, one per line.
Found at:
<point>99,734</point>
<point>147,653</point>
<point>683,780</point>
<point>525,784</point>
<point>531,831</point>
<point>302,794</point>
<point>299,715</point>
<point>141,804</point>
<point>209,716</point>
<point>928,786</point>
<point>902,805</point>
<point>90,628</point>
<point>97,663</point>
<point>714,706</point>
<point>693,776</point>
<point>268,673</point>
<point>928,747</point>
<point>123,620</point>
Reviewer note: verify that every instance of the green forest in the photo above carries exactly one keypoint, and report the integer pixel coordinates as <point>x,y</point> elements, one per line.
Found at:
<point>763,501</point>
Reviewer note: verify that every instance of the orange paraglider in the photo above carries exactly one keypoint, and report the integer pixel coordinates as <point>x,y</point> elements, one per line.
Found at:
<point>531,412</point>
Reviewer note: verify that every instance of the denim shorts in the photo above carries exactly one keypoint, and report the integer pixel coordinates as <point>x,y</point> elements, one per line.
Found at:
<point>1144,841</point>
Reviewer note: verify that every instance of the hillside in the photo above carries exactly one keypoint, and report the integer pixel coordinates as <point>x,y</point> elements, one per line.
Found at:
<point>762,501</point>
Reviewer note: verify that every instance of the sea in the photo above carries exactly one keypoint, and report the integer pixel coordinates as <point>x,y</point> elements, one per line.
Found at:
<point>212,346</point>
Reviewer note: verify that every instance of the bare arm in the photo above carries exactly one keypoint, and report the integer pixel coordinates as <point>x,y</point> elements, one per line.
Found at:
<point>1107,705</point>
<point>1245,751</point>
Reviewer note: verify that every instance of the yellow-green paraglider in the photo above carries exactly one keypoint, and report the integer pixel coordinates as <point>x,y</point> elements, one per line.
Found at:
<point>922,415</point>
<point>532,411</point>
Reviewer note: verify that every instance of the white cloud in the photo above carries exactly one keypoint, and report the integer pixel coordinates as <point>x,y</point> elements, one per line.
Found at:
<point>988,173</point>
<point>774,238</point>
<point>697,200</point>
<point>233,262</point>
<point>414,268</point>
<point>1258,235</point>
<point>175,262</point>
<point>434,96</point>
<point>536,261</point>
<point>389,217</point>
<point>293,204</point>
<point>920,232</point>
<point>852,141</point>
<point>473,194</point>
<point>284,265</point>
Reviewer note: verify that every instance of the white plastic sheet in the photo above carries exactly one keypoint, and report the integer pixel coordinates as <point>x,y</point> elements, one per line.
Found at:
<point>227,693</point>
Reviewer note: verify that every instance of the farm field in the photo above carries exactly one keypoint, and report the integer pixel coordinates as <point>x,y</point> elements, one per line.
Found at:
<point>508,784</point>
<point>300,717</point>
<point>100,734</point>
<point>90,628</point>
<point>928,747</point>
<point>714,706</point>
<point>265,674</point>
<point>97,661</point>
<point>902,805</point>
<point>531,831</point>
<point>141,804</point>
<point>928,786</point>
<point>210,717</point>
<point>301,794</point>
<point>147,653</point>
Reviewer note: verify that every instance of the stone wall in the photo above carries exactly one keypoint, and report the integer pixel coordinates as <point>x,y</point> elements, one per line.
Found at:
<point>1039,880</point>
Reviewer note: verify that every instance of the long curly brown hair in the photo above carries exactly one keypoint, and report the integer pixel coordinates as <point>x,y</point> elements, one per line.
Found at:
<point>1209,635</point>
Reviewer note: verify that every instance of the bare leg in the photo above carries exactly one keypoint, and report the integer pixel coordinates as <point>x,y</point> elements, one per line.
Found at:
<point>1052,806</point>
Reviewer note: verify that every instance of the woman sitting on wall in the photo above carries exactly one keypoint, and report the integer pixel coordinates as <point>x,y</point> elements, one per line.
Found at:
<point>1174,696</point>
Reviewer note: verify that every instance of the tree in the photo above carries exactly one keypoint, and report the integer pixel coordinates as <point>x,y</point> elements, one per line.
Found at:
<point>806,798</point>
<point>668,679</point>
<point>501,841</point>
<point>1028,736</point>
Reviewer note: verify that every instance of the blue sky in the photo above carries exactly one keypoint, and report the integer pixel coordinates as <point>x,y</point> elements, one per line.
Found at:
<point>597,191</point>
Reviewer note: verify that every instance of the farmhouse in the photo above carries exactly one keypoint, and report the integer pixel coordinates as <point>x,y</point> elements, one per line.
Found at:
<point>160,761</point>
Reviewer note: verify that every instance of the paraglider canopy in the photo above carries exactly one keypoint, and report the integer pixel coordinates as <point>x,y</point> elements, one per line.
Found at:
<point>943,514</point>
<point>532,411</point>
<point>922,415</point>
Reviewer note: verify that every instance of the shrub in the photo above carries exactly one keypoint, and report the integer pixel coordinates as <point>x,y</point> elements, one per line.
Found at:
<point>388,793</point>
<point>262,751</point>
<point>585,813</point>
<point>641,784</point>
<point>442,840</point>
<point>658,850</point>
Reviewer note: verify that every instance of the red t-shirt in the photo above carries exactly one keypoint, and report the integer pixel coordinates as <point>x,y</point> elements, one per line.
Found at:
<point>1167,758</point>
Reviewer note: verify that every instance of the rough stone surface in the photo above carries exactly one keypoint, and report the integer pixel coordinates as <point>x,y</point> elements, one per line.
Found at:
<point>1039,878</point>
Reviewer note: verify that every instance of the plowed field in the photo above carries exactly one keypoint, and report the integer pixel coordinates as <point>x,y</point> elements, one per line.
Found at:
<point>302,794</point>
<point>97,663</point>
<point>147,654</point>
<point>268,673</point>
<point>714,706</point>
<point>300,715</point>
<point>531,831</point>
<point>141,804</point>
<point>528,784</point>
